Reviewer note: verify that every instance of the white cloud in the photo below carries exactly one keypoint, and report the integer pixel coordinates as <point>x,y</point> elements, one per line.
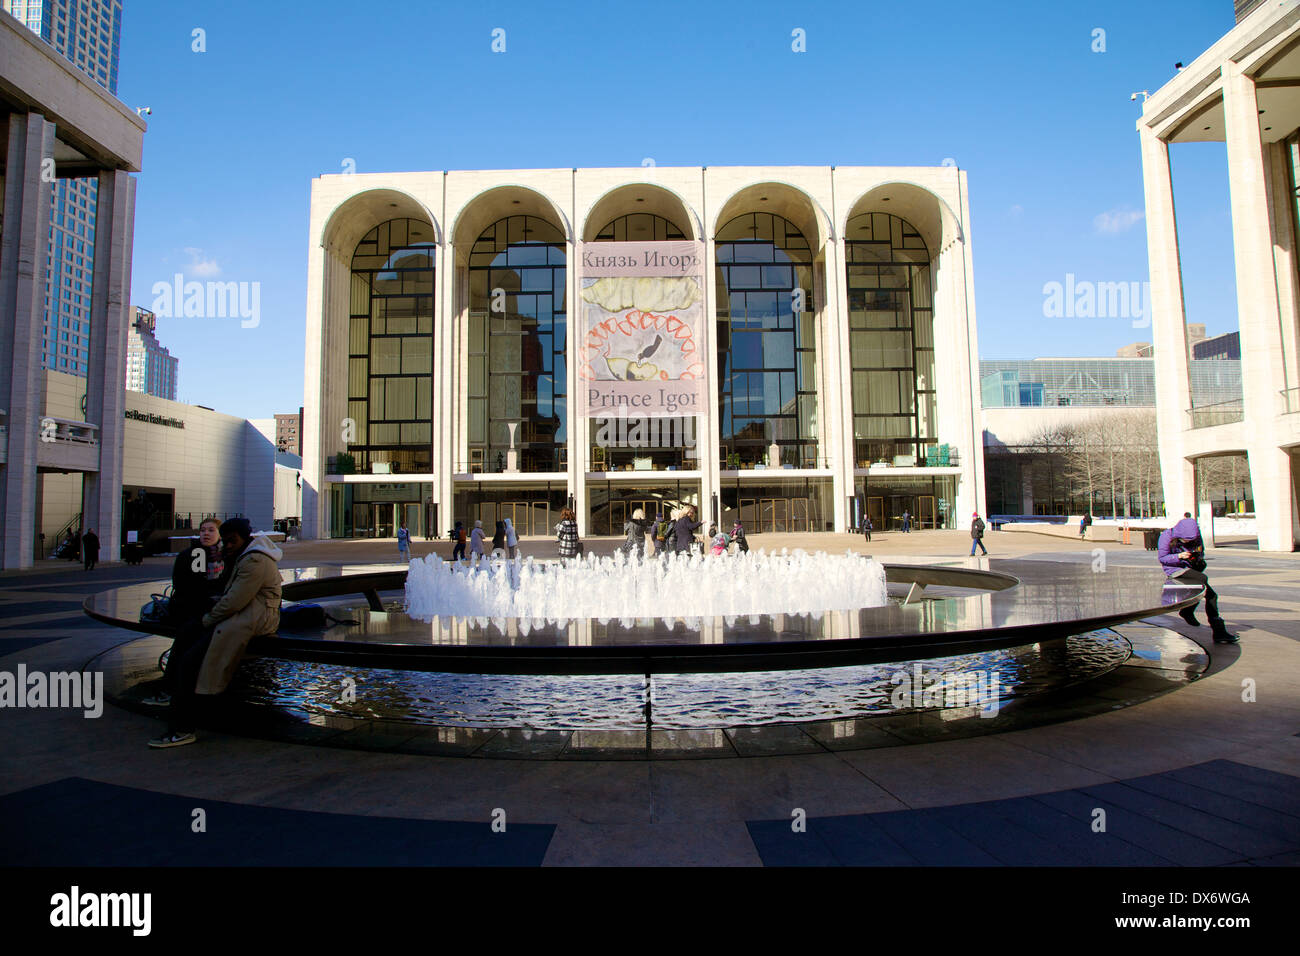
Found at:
<point>1016,210</point>
<point>1117,220</point>
<point>199,266</point>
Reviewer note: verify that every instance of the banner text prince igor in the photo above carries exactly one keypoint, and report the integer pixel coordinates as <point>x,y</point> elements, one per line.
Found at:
<point>641,308</point>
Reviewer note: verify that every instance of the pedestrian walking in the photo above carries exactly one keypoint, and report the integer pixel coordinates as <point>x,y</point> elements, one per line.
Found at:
<point>866,528</point>
<point>566,532</point>
<point>404,543</point>
<point>907,522</point>
<point>499,539</point>
<point>977,534</point>
<point>512,540</point>
<point>634,528</point>
<point>1181,551</point>
<point>476,540</point>
<point>90,549</point>
<point>458,551</point>
<point>1084,524</point>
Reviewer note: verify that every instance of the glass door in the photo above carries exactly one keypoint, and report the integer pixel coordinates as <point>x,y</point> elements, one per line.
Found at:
<point>412,515</point>
<point>384,519</point>
<point>926,512</point>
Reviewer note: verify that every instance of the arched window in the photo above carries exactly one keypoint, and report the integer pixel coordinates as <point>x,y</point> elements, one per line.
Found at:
<point>639,227</point>
<point>767,352</point>
<point>390,347</point>
<point>891,338</point>
<point>517,329</point>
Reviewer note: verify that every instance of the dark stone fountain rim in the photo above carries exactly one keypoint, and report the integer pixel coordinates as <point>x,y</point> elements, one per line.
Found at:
<point>1029,601</point>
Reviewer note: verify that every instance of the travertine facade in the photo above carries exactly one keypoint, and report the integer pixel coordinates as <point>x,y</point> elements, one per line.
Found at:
<point>840,455</point>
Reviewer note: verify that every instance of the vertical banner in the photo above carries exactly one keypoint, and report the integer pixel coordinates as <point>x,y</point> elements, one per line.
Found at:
<point>641,308</point>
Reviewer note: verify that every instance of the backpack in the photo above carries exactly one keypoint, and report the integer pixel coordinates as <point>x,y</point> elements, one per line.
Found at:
<point>662,530</point>
<point>460,536</point>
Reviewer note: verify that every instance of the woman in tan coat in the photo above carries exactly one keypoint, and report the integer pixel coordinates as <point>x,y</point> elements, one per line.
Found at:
<point>249,607</point>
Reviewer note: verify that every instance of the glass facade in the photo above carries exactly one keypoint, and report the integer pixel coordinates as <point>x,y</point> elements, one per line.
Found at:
<point>1123,382</point>
<point>891,340</point>
<point>517,331</point>
<point>767,351</point>
<point>390,349</point>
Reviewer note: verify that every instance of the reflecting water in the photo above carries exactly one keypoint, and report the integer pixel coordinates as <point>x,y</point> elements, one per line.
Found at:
<point>680,701</point>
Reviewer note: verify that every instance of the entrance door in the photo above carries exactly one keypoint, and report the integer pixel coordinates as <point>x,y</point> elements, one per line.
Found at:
<point>384,518</point>
<point>541,515</point>
<point>363,520</point>
<point>799,516</point>
<point>876,512</point>
<point>925,512</point>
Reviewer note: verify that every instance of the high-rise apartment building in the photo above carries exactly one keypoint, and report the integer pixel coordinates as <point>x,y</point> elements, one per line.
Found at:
<point>288,432</point>
<point>150,368</point>
<point>87,32</point>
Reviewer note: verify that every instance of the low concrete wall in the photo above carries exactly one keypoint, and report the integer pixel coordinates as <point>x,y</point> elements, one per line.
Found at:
<point>1095,532</point>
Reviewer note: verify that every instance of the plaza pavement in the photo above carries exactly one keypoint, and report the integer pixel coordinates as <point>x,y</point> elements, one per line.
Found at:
<point>1195,777</point>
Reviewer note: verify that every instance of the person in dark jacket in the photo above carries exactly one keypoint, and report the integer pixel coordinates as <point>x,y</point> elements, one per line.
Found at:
<point>1182,555</point>
<point>90,549</point>
<point>198,578</point>
<point>685,531</point>
<point>1084,523</point>
<point>907,524</point>
<point>738,536</point>
<point>634,528</point>
<point>866,528</point>
<point>499,538</point>
<point>977,534</point>
<point>458,552</point>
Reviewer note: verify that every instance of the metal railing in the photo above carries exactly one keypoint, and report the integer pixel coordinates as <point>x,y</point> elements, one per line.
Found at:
<point>1220,413</point>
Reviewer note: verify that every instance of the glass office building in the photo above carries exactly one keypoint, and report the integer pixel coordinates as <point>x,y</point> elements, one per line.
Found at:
<point>88,33</point>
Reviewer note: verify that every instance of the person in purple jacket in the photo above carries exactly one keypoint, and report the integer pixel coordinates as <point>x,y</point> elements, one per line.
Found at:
<point>1182,555</point>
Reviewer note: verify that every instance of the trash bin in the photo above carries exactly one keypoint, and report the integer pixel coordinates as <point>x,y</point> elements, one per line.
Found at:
<point>1151,538</point>
<point>133,553</point>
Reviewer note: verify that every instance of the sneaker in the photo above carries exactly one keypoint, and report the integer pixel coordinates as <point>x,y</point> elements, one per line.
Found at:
<point>172,740</point>
<point>160,699</point>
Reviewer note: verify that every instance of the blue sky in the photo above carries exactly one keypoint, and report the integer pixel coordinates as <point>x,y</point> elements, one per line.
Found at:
<point>1012,91</point>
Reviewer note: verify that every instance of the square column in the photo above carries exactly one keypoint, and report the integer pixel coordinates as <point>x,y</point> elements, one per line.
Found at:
<point>27,199</point>
<point>1258,311</point>
<point>1168,324</point>
<point>101,496</point>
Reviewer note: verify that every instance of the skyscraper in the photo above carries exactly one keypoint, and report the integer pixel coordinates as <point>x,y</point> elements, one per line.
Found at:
<point>87,32</point>
<point>150,368</point>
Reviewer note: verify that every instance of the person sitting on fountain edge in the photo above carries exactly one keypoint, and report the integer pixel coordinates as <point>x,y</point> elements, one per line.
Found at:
<point>249,607</point>
<point>1182,555</point>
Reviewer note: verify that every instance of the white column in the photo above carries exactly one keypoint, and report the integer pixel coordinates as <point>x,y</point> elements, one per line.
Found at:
<point>26,237</point>
<point>315,493</point>
<point>838,444</point>
<point>1168,324</point>
<point>1258,314</point>
<point>110,303</point>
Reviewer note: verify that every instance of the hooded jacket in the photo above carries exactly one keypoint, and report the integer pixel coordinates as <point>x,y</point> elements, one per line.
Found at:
<point>1186,530</point>
<point>249,607</point>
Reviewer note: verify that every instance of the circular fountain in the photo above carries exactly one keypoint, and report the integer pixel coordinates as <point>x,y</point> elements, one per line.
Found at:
<point>838,650</point>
